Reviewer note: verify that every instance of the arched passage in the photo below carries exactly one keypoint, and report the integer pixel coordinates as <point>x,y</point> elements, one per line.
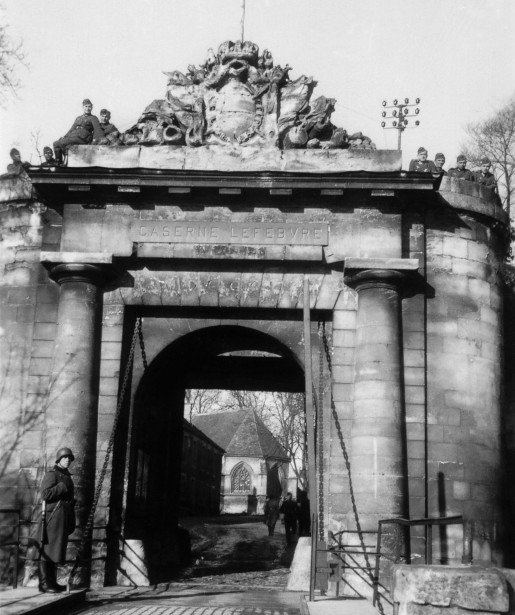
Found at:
<point>222,357</point>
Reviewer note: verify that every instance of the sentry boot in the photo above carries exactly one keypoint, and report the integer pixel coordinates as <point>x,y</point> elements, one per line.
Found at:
<point>45,583</point>
<point>53,577</point>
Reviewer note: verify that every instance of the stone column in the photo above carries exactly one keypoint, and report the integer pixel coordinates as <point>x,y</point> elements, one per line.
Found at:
<point>71,415</point>
<point>377,440</point>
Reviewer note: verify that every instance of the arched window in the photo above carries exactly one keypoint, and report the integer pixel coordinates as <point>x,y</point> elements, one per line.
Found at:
<point>240,480</point>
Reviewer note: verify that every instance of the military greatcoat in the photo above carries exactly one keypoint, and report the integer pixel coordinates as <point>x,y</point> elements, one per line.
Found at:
<point>487,179</point>
<point>57,491</point>
<point>85,129</point>
<point>461,174</point>
<point>422,166</point>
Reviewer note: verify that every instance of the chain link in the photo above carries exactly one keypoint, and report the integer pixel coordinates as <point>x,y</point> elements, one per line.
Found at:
<point>320,434</point>
<point>86,535</point>
<point>347,460</point>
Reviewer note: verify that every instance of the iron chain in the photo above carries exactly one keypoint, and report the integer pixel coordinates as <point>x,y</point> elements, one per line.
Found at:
<point>347,460</point>
<point>320,434</point>
<point>86,535</point>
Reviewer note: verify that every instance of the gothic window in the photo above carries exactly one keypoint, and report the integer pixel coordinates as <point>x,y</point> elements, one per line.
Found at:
<point>240,480</point>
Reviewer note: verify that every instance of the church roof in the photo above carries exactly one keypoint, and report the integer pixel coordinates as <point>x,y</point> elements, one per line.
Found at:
<point>241,434</point>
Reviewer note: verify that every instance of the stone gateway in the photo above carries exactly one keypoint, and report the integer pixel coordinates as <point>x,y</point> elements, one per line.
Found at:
<point>212,248</point>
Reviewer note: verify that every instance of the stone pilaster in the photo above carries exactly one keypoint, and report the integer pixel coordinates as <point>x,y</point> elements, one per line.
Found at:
<point>71,414</point>
<point>377,436</point>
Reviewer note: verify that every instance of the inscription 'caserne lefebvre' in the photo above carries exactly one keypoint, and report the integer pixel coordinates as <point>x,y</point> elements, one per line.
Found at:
<point>164,231</point>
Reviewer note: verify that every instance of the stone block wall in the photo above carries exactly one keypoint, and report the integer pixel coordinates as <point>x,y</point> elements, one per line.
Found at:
<point>28,305</point>
<point>464,376</point>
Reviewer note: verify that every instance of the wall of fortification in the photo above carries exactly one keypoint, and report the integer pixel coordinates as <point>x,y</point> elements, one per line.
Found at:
<point>465,252</point>
<point>28,304</point>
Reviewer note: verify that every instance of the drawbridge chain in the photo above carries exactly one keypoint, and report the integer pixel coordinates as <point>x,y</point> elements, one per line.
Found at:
<point>347,461</point>
<point>86,535</point>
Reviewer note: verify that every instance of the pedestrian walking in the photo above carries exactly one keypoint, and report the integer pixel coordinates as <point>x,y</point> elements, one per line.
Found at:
<point>289,510</point>
<point>57,520</point>
<point>271,514</point>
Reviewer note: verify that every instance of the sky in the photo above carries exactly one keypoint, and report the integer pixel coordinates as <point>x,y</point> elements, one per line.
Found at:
<point>457,56</point>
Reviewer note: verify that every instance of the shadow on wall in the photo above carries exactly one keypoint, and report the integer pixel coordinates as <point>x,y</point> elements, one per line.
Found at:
<point>22,459</point>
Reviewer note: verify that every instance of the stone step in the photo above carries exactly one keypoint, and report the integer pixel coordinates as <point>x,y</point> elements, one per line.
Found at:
<point>28,600</point>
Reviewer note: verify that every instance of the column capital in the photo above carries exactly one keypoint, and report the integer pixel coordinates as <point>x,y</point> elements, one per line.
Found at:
<point>377,278</point>
<point>97,274</point>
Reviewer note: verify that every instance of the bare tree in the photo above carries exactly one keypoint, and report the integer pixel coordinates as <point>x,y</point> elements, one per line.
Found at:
<point>283,414</point>
<point>11,57</point>
<point>495,138</point>
<point>202,401</point>
<point>241,400</point>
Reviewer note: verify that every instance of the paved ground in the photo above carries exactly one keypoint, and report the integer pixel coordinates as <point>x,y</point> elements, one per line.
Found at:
<point>236,569</point>
<point>177,599</point>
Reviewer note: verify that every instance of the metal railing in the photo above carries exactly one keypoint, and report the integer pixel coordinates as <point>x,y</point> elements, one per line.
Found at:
<point>13,542</point>
<point>355,558</point>
<point>427,523</point>
<point>19,544</point>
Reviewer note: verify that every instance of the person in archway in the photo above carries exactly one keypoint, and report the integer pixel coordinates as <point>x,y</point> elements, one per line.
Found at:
<point>271,512</point>
<point>303,509</point>
<point>57,495</point>
<point>289,509</point>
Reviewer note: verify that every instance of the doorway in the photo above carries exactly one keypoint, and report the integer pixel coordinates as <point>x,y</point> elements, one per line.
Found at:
<point>231,357</point>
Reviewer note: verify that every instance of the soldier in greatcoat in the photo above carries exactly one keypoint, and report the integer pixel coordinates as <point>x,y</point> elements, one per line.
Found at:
<point>439,162</point>
<point>84,131</point>
<point>421,164</point>
<point>49,157</point>
<point>111,134</point>
<point>460,171</point>
<point>484,177</point>
<point>57,494</point>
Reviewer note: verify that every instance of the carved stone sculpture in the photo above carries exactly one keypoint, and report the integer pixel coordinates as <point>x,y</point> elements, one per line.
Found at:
<point>239,97</point>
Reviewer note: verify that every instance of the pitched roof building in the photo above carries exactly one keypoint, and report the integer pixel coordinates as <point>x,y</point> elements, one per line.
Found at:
<point>254,465</point>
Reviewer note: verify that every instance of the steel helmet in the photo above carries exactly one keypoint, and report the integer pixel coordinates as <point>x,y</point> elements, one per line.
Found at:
<point>64,452</point>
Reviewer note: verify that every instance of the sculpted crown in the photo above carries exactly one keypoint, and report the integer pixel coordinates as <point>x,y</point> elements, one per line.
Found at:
<point>239,50</point>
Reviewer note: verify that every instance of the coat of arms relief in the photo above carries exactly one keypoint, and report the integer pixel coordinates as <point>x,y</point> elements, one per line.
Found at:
<point>238,96</point>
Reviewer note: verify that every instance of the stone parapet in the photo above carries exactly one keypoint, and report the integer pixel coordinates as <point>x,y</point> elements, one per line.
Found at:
<point>469,196</point>
<point>234,159</point>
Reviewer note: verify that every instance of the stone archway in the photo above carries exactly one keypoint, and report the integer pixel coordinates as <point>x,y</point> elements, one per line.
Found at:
<point>198,359</point>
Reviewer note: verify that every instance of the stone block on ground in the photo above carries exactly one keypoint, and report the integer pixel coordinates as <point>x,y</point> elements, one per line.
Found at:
<point>449,590</point>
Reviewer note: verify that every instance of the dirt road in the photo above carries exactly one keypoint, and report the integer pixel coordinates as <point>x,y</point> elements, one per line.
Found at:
<point>237,550</point>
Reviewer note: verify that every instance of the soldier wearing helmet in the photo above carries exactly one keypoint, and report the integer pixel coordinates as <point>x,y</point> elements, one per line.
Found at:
<point>57,494</point>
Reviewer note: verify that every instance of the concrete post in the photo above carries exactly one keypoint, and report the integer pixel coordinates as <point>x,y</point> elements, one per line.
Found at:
<point>71,414</point>
<point>378,443</point>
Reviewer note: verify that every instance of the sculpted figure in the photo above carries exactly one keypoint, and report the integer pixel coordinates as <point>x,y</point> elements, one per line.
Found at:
<point>85,129</point>
<point>152,125</point>
<point>294,101</point>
